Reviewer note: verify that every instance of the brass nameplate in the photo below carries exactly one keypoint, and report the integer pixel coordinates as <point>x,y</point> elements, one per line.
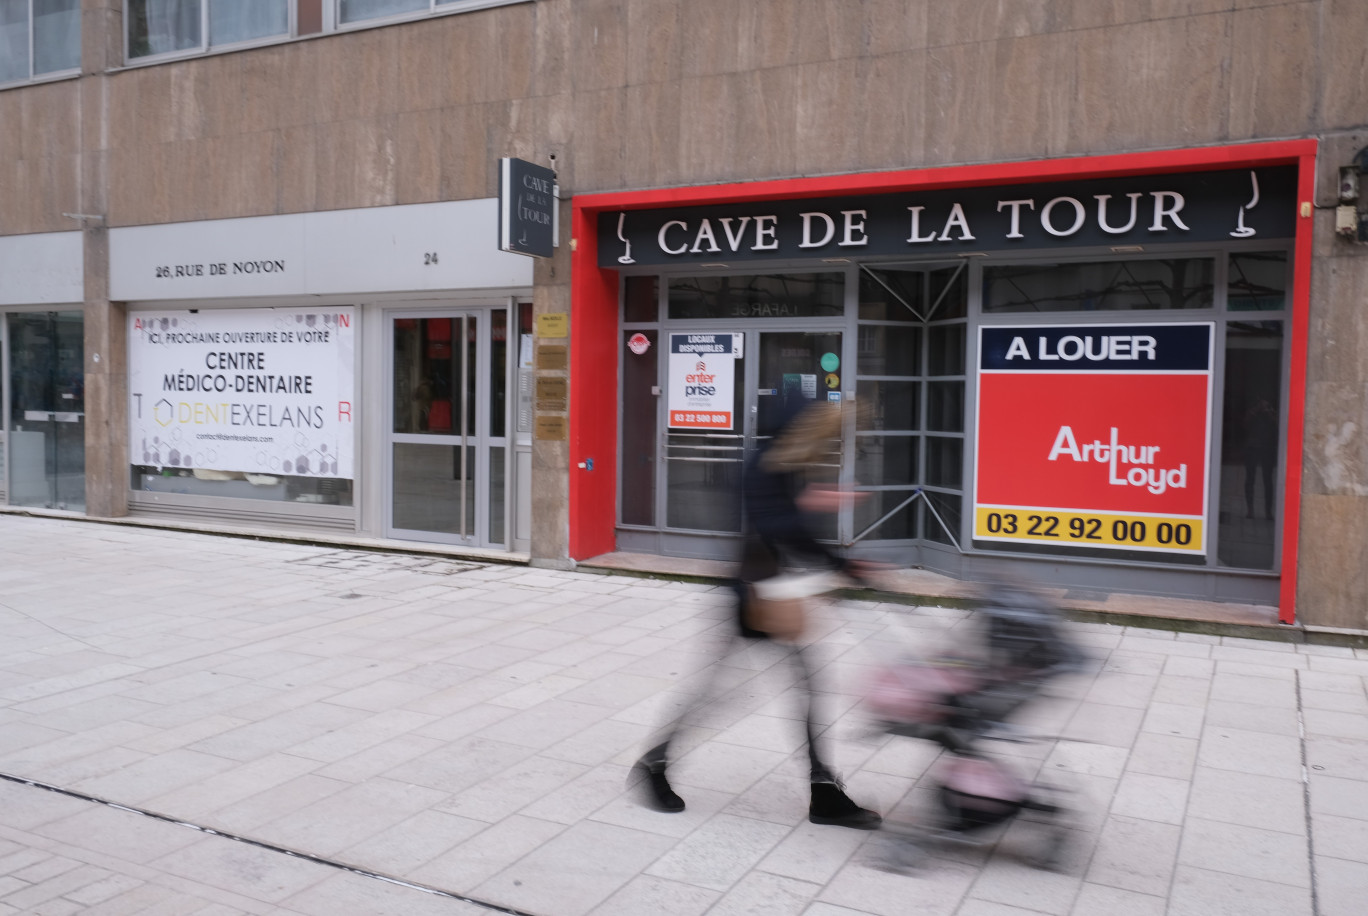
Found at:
<point>551,389</point>
<point>556,324</point>
<point>552,428</point>
<point>551,357</point>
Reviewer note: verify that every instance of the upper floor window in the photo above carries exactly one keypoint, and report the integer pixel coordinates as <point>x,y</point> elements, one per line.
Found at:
<point>170,26</point>
<point>155,28</point>
<point>39,38</point>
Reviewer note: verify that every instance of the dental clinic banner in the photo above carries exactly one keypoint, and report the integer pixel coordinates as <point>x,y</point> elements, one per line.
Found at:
<point>702,380</point>
<point>1094,435</point>
<point>252,391</point>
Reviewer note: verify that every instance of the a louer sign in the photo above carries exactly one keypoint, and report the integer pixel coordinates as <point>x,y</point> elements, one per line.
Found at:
<point>1128,210</point>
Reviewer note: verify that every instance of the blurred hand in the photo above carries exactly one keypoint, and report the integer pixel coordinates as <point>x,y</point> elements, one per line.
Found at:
<point>827,498</point>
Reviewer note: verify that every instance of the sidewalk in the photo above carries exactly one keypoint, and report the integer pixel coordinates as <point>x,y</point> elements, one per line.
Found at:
<point>467,728</point>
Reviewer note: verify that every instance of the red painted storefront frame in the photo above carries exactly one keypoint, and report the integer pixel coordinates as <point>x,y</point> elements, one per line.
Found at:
<point>595,344</point>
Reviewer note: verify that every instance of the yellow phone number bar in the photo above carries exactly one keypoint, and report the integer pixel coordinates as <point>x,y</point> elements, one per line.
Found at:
<point>1088,529</point>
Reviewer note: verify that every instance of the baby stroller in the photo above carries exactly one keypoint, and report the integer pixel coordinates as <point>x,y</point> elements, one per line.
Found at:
<point>964,699</point>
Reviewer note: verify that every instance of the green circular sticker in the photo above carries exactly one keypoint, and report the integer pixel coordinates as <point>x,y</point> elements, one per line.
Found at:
<point>830,362</point>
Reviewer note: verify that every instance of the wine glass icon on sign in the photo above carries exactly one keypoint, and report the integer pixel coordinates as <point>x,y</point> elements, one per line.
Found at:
<point>1241,231</point>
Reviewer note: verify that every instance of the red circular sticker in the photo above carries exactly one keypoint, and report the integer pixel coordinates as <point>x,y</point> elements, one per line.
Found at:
<point>638,343</point>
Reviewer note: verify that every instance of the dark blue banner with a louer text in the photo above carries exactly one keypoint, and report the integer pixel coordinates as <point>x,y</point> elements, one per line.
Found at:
<point>1178,347</point>
<point>1130,210</point>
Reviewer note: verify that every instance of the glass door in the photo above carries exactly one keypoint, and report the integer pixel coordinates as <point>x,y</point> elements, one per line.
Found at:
<point>448,437</point>
<point>778,373</point>
<point>45,447</point>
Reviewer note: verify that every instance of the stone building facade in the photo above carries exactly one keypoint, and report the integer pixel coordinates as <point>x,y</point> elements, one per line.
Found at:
<point>336,127</point>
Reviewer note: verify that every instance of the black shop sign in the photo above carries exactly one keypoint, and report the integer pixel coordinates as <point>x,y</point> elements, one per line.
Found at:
<point>1129,210</point>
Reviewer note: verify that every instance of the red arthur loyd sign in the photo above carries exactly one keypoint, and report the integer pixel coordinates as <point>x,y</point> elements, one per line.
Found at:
<point>1094,435</point>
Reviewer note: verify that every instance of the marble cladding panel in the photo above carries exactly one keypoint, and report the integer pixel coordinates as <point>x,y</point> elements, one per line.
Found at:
<point>824,141</point>
<point>651,154</point>
<point>1335,453</point>
<point>1338,342</point>
<point>599,121</point>
<point>418,152</point>
<point>464,165</point>
<point>1343,63</point>
<point>296,154</point>
<point>600,42</point>
<point>653,41</point>
<point>49,122</point>
<point>1273,71</point>
<point>893,135</point>
<point>895,26</point>
<point>1332,561</point>
<point>1150,85</point>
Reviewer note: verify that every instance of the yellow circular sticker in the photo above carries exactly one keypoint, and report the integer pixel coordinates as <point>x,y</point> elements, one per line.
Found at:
<point>833,380</point>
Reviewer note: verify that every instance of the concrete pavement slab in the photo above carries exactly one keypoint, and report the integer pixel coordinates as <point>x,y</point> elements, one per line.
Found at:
<point>468,728</point>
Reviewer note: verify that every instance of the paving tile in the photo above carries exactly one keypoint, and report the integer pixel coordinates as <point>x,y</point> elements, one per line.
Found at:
<point>513,788</point>
<point>1247,851</point>
<point>720,852</point>
<point>1007,882</point>
<point>1197,892</point>
<point>350,816</point>
<point>1100,900</point>
<point>1174,720</point>
<point>1333,795</point>
<point>1136,855</point>
<point>1259,753</point>
<point>1244,798</point>
<point>576,870</point>
<point>344,893</point>
<point>1340,886</point>
<point>1336,724</point>
<point>242,869</point>
<point>486,853</point>
<point>764,894</point>
<point>1163,755</point>
<point>645,894</point>
<point>1340,837</point>
<point>936,889</point>
<point>1275,720</point>
<point>1154,798</point>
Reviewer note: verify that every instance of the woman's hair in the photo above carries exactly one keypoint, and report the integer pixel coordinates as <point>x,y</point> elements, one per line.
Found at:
<point>805,439</point>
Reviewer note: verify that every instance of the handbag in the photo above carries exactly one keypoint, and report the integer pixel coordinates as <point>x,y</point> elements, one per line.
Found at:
<point>778,606</point>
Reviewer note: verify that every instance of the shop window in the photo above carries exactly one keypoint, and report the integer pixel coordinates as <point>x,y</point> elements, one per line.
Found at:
<point>911,348</point>
<point>1258,281</point>
<point>639,430</point>
<point>892,295</point>
<point>889,350</point>
<point>762,296</point>
<point>1172,283</point>
<point>891,460</point>
<point>1251,420</point>
<point>892,405</point>
<point>639,299</point>
<point>52,28</point>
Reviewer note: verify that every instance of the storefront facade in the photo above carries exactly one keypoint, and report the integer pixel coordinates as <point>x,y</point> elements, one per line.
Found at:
<point>42,379</point>
<point>332,371</point>
<point>1089,371</point>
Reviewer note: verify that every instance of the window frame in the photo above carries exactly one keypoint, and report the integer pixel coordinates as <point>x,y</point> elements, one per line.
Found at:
<point>331,25</point>
<point>50,75</point>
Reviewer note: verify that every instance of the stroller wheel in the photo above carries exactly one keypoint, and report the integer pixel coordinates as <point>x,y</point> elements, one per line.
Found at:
<point>1054,850</point>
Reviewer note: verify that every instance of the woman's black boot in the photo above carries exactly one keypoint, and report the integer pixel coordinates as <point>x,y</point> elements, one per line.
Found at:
<point>656,787</point>
<point>830,805</point>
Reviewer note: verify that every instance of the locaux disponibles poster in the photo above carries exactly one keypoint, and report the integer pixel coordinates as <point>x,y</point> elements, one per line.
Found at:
<point>702,380</point>
<point>255,391</point>
<point>1094,435</point>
